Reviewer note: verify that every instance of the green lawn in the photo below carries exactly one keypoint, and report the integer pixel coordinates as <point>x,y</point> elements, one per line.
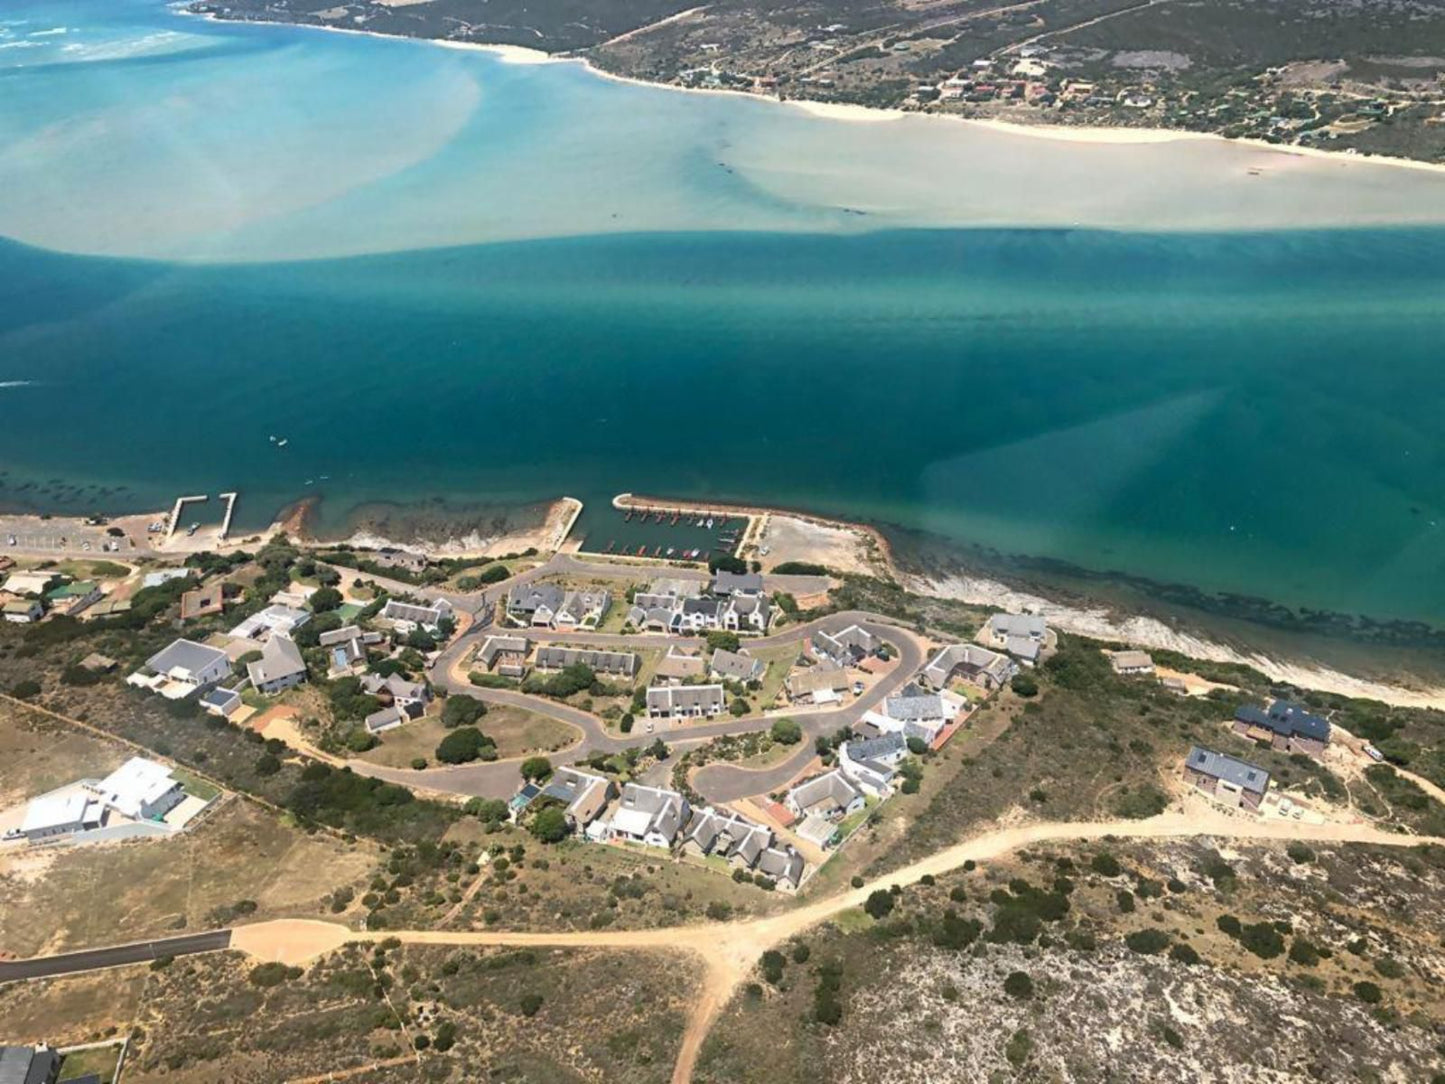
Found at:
<point>101,1060</point>
<point>195,785</point>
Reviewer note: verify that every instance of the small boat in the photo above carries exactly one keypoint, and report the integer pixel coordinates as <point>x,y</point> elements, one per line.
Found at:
<point>641,551</point>
<point>273,440</point>
<point>670,551</point>
<point>657,551</point>
<point>709,523</point>
<point>674,518</point>
<point>627,518</point>
<point>283,442</point>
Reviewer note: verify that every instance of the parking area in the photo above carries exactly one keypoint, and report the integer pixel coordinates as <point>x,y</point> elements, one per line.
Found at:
<point>41,537</point>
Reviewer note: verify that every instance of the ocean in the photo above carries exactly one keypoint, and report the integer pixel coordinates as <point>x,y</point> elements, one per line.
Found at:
<point>215,243</point>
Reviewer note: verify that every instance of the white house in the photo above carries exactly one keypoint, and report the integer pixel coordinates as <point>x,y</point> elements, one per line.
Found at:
<point>650,815</point>
<point>186,662</point>
<point>1021,635</point>
<point>831,796</point>
<point>407,617</point>
<point>140,789</point>
<point>280,666</point>
<point>685,701</point>
<point>283,619</point>
<point>869,763</point>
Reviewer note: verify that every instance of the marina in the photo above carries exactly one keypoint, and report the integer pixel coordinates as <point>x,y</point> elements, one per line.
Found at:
<point>668,534</point>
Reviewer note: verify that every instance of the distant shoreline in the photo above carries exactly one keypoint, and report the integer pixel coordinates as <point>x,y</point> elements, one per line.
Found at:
<point>1099,135</point>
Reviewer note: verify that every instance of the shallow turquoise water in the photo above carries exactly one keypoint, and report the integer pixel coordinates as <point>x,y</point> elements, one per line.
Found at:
<point>1254,413</point>
<point>1247,412</point>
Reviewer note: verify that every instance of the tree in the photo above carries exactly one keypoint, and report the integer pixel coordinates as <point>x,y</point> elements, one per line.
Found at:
<point>487,810</point>
<point>723,640</point>
<point>324,599</point>
<point>550,825</point>
<point>1026,685</point>
<point>1262,939</point>
<point>1149,942</point>
<point>1019,986</point>
<point>917,746</point>
<point>625,724</point>
<point>267,764</point>
<point>879,904</point>
<point>535,769</point>
<point>1368,992</point>
<point>360,740</point>
<point>786,732</point>
<point>462,710</point>
<point>463,745</point>
<point>726,562</point>
<point>738,708</point>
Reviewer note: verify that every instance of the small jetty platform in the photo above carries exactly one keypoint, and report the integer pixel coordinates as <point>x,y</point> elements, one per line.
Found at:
<point>181,502</point>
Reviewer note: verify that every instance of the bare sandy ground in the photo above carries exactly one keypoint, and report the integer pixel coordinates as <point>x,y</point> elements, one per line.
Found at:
<point>793,538</point>
<point>730,950</point>
<point>547,537</point>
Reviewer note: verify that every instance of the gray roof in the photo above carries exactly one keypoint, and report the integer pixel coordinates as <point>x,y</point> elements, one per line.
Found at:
<point>1286,719</point>
<point>26,1065</point>
<point>343,635</point>
<point>675,697</point>
<point>185,655</point>
<point>280,659</point>
<point>395,684</point>
<point>853,641</point>
<point>1241,773</point>
<point>737,583</point>
<point>875,748</point>
<point>386,717</point>
<point>531,597</point>
<point>396,610</point>
<point>667,808</point>
<point>781,865</point>
<point>970,657</point>
<point>732,835</point>
<point>913,705</point>
<point>737,665</point>
<point>713,606</point>
<point>832,787</point>
<point>1027,625</point>
<point>500,645</point>
<point>608,662</point>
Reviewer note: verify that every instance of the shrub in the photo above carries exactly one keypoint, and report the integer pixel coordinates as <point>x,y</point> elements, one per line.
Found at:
<point>1368,992</point>
<point>772,964</point>
<point>801,953</point>
<point>418,763</point>
<point>530,1003</point>
<point>26,689</point>
<point>549,825</point>
<point>1018,1048</point>
<point>1125,899</point>
<point>462,710</point>
<point>1229,924</point>
<point>786,732</point>
<point>266,764</point>
<point>1299,853</point>
<point>719,910</point>
<point>1140,802</point>
<point>536,768</point>
<point>1025,685</point>
<point>879,904</point>
<point>324,599</point>
<point>917,746</point>
<point>1019,986</point>
<point>1105,864</point>
<point>463,745</point>
<point>1262,939</point>
<point>1303,953</point>
<point>625,725</point>
<point>738,708</point>
<point>1184,954</point>
<point>1149,942</point>
<point>269,974</point>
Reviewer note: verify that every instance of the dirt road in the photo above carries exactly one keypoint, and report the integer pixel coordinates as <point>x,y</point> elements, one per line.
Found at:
<point>729,951</point>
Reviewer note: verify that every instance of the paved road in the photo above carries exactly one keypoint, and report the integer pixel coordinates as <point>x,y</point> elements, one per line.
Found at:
<point>95,959</point>
<point>718,783</point>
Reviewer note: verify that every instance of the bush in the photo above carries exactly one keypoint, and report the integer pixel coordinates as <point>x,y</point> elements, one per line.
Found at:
<point>801,953</point>
<point>917,746</point>
<point>1262,939</point>
<point>530,1003</point>
<point>625,725</point>
<point>1025,685</point>
<point>269,974</point>
<point>1185,954</point>
<point>786,732</point>
<point>324,599</point>
<point>772,965</point>
<point>738,708</point>
<point>535,769</point>
<point>879,904</point>
<point>1105,864</point>
<point>462,710</point>
<point>1140,802</point>
<point>359,741</point>
<point>1125,900</point>
<point>800,568</point>
<point>1019,986</point>
<point>25,689</point>
<point>1303,953</point>
<point>463,745</point>
<point>1368,992</point>
<point>418,763</point>
<point>1299,853</point>
<point>267,764</point>
<point>550,825</point>
<point>1149,942</point>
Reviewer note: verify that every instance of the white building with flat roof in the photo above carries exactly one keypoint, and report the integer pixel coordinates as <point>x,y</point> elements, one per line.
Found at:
<point>140,789</point>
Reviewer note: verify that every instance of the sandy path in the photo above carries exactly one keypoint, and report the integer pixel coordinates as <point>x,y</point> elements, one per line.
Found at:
<point>729,951</point>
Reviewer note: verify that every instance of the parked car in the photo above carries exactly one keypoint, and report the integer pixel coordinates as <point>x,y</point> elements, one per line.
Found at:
<point>1374,754</point>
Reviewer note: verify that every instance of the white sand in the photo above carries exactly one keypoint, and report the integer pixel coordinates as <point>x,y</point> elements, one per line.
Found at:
<point>1150,633</point>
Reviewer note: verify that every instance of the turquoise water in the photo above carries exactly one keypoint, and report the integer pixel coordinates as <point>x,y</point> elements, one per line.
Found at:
<point>1250,412</point>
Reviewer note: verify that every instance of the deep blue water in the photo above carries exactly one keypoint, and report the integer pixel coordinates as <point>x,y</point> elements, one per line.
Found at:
<point>1256,413</point>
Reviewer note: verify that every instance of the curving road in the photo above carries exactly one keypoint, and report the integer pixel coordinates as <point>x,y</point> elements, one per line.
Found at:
<point>717,783</point>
